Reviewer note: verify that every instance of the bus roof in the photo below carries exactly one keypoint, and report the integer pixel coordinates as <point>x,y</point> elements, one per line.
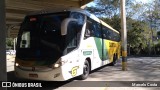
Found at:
<point>74,10</point>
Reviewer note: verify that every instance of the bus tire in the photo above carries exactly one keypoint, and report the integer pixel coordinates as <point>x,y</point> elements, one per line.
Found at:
<point>86,70</point>
<point>114,61</point>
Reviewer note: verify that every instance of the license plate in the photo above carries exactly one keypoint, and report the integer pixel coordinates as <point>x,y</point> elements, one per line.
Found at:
<point>33,75</point>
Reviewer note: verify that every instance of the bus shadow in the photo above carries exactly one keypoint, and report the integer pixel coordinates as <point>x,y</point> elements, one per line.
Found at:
<point>100,68</point>
<point>52,84</point>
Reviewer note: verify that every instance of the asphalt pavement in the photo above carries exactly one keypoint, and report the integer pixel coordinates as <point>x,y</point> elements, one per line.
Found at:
<point>141,69</point>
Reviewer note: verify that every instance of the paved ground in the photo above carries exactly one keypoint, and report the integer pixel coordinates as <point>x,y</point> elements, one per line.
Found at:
<point>139,69</point>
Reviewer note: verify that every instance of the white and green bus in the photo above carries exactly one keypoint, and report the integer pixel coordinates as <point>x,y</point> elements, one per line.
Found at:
<point>57,46</point>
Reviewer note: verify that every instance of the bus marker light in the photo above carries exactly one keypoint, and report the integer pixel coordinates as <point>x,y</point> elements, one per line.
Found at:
<point>33,19</point>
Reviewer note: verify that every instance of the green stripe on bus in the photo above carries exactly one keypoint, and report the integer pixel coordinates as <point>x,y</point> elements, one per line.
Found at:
<point>98,45</point>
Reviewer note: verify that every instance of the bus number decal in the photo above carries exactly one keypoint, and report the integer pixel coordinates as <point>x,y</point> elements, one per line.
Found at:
<point>74,71</point>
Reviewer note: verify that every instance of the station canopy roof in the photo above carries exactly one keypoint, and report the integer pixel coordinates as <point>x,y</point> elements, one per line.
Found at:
<point>17,9</point>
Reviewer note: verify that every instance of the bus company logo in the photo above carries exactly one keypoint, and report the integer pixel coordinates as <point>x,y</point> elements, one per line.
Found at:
<point>6,84</point>
<point>74,71</point>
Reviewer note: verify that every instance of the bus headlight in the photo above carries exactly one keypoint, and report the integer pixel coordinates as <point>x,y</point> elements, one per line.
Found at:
<point>56,65</point>
<point>16,64</point>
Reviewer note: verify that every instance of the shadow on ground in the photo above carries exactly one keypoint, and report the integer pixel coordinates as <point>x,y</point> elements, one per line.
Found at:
<point>54,85</point>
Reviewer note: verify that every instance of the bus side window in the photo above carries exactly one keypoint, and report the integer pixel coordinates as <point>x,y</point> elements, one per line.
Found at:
<point>88,32</point>
<point>93,29</point>
<point>97,29</point>
<point>105,33</point>
<point>118,37</point>
<point>71,37</point>
<point>78,16</point>
<point>110,35</point>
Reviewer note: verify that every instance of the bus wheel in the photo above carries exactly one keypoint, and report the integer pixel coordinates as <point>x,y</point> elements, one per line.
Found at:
<point>114,61</point>
<point>86,70</point>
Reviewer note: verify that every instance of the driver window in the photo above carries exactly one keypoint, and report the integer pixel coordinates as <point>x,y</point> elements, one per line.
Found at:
<point>71,37</point>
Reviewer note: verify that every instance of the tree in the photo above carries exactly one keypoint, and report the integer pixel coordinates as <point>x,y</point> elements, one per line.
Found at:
<point>107,8</point>
<point>114,22</point>
<point>138,36</point>
<point>158,33</point>
<point>9,43</point>
<point>152,16</point>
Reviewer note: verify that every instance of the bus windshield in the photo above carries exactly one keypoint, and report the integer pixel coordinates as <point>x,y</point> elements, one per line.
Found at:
<point>40,37</point>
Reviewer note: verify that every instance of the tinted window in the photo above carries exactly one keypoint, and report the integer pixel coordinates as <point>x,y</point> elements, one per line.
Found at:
<point>93,29</point>
<point>78,16</point>
<point>89,31</point>
<point>110,35</point>
<point>40,36</point>
<point>72,37</point>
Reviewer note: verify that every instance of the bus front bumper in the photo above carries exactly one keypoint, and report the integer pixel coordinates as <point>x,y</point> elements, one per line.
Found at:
<point>52,75</point>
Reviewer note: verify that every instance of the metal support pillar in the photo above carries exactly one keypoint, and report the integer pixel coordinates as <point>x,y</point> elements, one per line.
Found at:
<point>3,74</point>
<point>123,36</point>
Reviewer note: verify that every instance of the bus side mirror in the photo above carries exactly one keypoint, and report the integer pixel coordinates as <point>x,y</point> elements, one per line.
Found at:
<point>64,25</point>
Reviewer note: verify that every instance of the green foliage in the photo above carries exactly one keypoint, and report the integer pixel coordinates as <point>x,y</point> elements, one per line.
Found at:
<point>158,33</point>
<point>114,22</point>
<point>134,10</point>
<point>152,13</point>
<point>138,35</point>
<point>107,8</point>
<point>140,18</point>
<point>9,42</point>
